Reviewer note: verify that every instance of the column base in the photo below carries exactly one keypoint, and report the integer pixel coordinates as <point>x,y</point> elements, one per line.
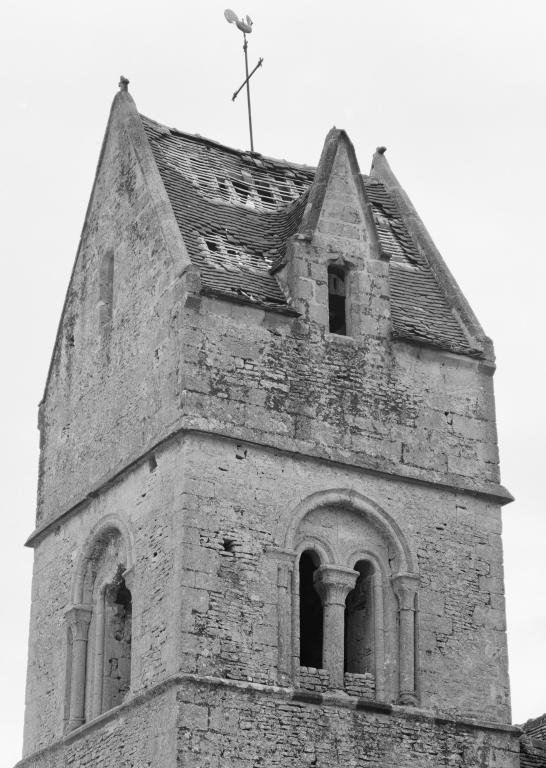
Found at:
<point>408,699</point>
<point>73,724</point>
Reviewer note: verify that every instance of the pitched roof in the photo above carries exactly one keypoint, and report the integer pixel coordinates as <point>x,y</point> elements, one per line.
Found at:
<point>236,212</point>
<point>536,727</point>
<point>419,308</point>
<point>532,753</point>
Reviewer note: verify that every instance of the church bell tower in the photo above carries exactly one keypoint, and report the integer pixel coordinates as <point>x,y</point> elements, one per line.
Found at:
<point>268,529</point>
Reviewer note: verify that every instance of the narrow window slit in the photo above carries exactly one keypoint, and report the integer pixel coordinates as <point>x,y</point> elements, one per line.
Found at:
<point>336,300</point>
<point>106,291</point>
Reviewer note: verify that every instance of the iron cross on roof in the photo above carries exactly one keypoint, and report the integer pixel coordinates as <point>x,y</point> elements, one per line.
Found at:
<point>245,25</point>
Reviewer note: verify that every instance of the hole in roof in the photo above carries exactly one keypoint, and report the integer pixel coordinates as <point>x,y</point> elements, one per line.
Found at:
<point>266,193</point>
<point>223,188</point>
<point>213,246</point>
<point>240,179</point>
<point>242,190</point>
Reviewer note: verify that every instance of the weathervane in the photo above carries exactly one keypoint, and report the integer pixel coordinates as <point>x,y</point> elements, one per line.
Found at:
<point>245,25</point>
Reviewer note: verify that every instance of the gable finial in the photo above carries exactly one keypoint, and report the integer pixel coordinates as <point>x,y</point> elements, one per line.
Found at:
<point>123,83</point>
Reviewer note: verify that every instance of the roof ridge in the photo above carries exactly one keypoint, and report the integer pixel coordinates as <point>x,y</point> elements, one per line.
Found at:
<point>239,152</point>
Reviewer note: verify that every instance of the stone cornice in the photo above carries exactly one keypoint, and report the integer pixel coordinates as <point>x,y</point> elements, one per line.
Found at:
<point>285,694</point>
<point>488,491</point>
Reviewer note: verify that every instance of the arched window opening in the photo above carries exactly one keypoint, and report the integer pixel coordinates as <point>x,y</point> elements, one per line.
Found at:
<point>336,300</point>
<point>116,670</point>
<point>369,611</point>
<point>311,613</point>
<point>360,622</point>
<point>98,673</point>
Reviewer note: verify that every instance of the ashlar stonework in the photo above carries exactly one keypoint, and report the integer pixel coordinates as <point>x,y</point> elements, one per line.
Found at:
<point>268,526</point>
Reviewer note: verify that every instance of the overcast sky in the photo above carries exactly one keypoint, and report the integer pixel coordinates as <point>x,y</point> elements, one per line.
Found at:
<point>456,92</point>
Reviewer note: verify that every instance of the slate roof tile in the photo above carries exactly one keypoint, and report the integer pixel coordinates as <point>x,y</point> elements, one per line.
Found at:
<point>532,753</point>
<point>536,727</point>
<point>237,211</point>
<point>419,309</point>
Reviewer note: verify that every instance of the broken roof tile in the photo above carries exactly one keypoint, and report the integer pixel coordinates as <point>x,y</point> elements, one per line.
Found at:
<point>235,216</point>
<point>237,211</point>
<point>532,753</point>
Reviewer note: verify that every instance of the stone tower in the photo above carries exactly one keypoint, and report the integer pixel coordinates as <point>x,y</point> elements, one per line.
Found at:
<point>268,526</point>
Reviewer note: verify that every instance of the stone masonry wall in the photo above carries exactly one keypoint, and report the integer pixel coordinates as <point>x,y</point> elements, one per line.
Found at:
<point>146,502</point>
<point>245,729</point>
<point>387,406</point>
<point>140,735</point>
<point>204,609</point>
<point>236,380</point>
<point>200,724</point>
<point>109,388</point>
<point>229,617</point>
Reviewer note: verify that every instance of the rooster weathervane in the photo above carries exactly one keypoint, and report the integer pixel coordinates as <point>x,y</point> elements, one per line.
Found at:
<point>245,25</point>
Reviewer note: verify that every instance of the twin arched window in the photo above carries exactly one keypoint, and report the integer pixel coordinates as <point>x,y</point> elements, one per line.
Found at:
<point>355,595</point>
<point>352,598</point>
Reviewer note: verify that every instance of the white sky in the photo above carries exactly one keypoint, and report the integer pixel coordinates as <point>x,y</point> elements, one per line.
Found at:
<point>455,90</point>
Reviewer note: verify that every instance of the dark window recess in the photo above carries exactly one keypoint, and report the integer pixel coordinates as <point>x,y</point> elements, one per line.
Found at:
<point>336,300</point>
<point>359,622</point>
<point>116,659</point>
<point>311,616</point>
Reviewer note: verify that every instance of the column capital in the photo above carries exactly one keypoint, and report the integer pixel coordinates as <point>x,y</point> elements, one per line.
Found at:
<point>405,588</point>
<point>78,618</point>
<point>333,583</point>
